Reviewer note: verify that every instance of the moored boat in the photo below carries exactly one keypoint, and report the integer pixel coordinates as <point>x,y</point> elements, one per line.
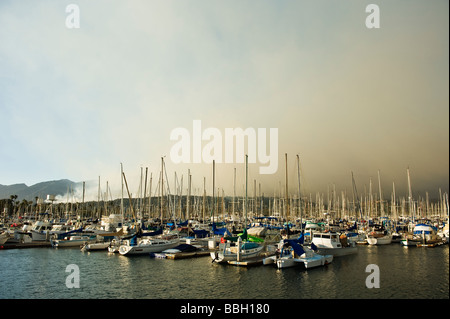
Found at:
<point>4,236</point>
<point>90,246</point>
<point>146,245</point>
<point>238,251</point>
<point>182,251</point>
<point>292,253</point>
<point>379,239</point>
<point>73,241</point>
<point>330,243</point>
<point>423,236</point>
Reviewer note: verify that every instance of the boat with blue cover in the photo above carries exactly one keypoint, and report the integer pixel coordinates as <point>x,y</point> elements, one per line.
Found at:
<point>293,253</point>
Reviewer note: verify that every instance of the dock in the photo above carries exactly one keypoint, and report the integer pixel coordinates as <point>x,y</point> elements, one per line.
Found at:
<point>44,244</point>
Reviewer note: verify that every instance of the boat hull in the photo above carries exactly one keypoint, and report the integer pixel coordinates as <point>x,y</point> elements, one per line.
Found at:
<point>148,247</point>
<point>385,240</point>
<point>226,255</point>
<point>4,238</point>
<point>336,252</point>
<point>59,243</point>
<point>306,262</point>
<point>316,261</point>
<point>95,246</point>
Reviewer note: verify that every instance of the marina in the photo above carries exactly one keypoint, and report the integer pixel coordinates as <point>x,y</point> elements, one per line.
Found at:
<point>405,273</point>
<point>174,250</point>
<point>211,158</point>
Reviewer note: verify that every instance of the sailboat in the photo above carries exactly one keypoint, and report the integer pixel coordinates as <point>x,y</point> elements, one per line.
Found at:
<point>379,236</point>
<point>239,251</point>
<point>375,238</point>
<point>139,244</point>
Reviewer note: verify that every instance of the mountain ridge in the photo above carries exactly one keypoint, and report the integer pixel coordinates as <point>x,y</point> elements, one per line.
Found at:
<point>41,189</point>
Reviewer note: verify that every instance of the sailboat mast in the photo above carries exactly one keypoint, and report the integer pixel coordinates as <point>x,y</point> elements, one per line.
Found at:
<point>188,195</point>
<point>234,189</point>
<point>394,208</point>
<point>121,198</point>
<point>214,186</point>
<point>381,195</point>
<point>162,190</point>
<point>246,188</point>
<point>145,193</point>
<point>411,210</point>
<point>286,192</point>
<point>204,198</point>
<point>299,196</point>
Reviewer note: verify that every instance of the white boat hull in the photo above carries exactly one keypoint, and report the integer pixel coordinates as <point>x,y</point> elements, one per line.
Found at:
<point>329,243</point>
<point>39,236</point>
<point>72,242</point>
<point>286,263</point>
<point>95,246</point>
<point>307,262</point>
<point>385,240</point>
<point>316,261</point>
<point>336,252</point>
<point>148,246</point>
<point>226,255</point>
<point>4,238</point>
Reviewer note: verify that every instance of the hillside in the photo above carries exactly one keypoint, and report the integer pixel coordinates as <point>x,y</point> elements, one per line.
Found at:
<point>41,190</point>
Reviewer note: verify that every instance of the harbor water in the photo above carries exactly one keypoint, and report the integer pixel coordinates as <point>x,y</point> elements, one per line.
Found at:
<point>43,273</point>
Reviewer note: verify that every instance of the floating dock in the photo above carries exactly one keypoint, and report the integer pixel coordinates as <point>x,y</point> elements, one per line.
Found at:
<point>43,244</point>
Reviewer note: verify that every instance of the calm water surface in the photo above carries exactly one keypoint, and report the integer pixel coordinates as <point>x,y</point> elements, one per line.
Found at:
<point>405,273</point>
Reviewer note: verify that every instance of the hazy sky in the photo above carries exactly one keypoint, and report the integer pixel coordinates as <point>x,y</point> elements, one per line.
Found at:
<point>75,103</point>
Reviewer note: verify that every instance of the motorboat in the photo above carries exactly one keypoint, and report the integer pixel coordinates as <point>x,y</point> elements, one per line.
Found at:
<point>73,241</point>
<point>146,245</point>
<point>423,235</point>
<point>330,243</point>
<point>40,230</point>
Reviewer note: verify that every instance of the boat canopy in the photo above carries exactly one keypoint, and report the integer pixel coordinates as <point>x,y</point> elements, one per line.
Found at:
<point>63,235</point>
<point>245,237</point>
<point>423,228</point>
<point>294,243</point>
<point>220,231</point>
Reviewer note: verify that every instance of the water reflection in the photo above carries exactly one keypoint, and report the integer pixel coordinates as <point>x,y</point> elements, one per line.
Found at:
<point>404,273</point>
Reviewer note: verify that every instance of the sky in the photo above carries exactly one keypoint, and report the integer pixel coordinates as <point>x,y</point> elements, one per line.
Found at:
<point>75,103</point>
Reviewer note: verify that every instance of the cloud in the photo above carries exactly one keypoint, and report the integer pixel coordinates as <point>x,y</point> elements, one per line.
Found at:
<point>81,101</point>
